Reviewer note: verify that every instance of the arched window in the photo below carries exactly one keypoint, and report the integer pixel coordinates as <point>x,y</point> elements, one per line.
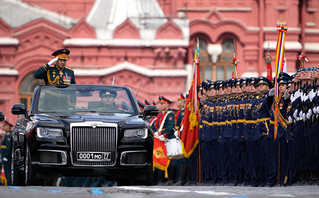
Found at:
<point>215,63</point>
<point>206,68</point>
<point>224,66</point>
<point>26,89</point>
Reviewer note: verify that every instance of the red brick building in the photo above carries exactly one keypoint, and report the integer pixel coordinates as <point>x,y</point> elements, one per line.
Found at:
<point>148,44</point>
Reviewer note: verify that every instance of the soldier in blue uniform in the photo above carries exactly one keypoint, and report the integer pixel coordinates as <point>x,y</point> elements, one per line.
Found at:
<point>203,134</point>
<point>58,73</point>
<point>242,101</point>
<point>223,136</point>
<point>6,150</point>
<point>263,135</point>
<point>280,146</point>
<point>250,123</point>
<point>291,171</point>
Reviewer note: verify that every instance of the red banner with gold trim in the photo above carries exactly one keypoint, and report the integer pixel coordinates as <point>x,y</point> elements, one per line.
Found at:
<point>160,159</point>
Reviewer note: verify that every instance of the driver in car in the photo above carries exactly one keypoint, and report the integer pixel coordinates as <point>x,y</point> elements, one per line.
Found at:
<point>107,101</point>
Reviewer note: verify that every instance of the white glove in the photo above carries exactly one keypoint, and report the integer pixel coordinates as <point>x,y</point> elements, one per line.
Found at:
<point>303,116</point>
<point>271,92</point>
<point>309,114</point>
<point>156,133</point>
<point>176,133</point>
<point>161,137</point>
<point>53,61</point>
<point>5,159</point>
<point>290,119</point>
<point>286,95</point>
<point>295,114</point>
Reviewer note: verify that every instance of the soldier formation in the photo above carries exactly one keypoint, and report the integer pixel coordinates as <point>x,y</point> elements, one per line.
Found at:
<point>249,135</point>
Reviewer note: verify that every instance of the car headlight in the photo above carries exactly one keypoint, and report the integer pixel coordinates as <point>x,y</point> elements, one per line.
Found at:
<point>49,132</point>
<point>135,133</point>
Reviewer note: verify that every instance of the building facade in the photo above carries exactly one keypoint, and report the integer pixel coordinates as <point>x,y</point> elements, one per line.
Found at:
<point>148,45</point>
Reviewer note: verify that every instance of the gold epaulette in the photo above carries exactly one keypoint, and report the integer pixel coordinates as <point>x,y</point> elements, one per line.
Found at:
<point>68,68</point>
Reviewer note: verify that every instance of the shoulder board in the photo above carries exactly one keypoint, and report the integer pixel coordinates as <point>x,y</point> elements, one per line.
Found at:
<point>68,68</point>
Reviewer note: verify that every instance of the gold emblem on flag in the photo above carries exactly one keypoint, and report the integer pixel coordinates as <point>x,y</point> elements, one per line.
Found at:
<point>159,152</point>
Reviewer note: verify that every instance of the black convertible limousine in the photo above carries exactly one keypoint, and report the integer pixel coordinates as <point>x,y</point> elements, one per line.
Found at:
<point>69,132</point>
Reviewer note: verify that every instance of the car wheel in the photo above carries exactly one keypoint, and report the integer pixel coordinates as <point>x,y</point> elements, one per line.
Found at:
<point>149,178</point>
<point>145,179</point>
<point>16,175</point>
<point>125,182</point>
<point>29,175</point>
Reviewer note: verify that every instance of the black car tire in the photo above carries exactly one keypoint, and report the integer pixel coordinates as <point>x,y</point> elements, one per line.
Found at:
<point>29,175</point>
<point>149,178</point>
<point>16,175</point>
<point>145,179</point>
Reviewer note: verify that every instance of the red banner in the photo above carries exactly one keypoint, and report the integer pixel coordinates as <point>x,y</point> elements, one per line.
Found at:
<point>160,159</point>
<point>191,114</point>
<point>3,179</point>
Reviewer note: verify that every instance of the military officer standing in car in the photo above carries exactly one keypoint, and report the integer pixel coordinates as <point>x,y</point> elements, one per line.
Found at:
<point>55,71</point>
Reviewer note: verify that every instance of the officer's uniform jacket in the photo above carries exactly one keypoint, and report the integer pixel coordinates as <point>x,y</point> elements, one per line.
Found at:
<point>168,121</point>
<point>250,118</point>
<point>262,112</point>
<point>224,118</point>
<point>213,125</point>
<point>6,146</point>
<point>242,103</point>
<point>179,118</point>
<point>203,123</point>
<point>282,112</point>
<point>53,75</point>
<point>155,122</point>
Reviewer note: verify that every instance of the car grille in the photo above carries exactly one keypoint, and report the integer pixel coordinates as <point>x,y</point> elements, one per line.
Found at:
<point>97,139</point>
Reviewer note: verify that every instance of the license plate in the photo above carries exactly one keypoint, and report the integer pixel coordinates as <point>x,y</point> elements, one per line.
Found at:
<point>94,156</point>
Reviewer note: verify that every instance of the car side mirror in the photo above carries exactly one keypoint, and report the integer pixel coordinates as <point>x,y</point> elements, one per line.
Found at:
<point>150,110</point>
<point>18,109</point>
<point>2,116</point>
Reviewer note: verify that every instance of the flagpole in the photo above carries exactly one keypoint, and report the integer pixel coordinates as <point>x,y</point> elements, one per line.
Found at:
<point>280,52</point>
<point>269,68</point>
<point>235,62</point>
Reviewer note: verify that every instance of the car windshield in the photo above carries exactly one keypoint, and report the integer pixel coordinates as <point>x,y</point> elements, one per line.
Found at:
<point>84,99</point>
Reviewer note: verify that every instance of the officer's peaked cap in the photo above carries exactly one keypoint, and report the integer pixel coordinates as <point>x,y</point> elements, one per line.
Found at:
<point>61,54</point>
<point>108,93</point>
